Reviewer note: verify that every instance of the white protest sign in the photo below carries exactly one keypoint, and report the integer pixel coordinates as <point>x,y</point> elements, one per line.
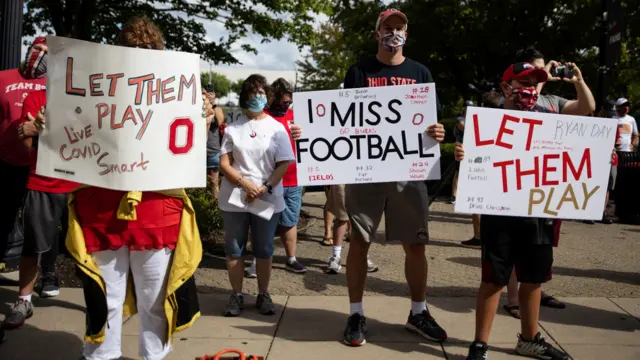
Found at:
<point>533,164</point>
<point>368,135</point>
<point>123,118</point>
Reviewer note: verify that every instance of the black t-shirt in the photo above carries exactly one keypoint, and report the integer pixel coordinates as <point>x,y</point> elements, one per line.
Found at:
<point>370,72</point>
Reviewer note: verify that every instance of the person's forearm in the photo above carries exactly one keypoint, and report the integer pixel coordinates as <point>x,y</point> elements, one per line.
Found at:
<point>231,174</point>
<point>278,173</point>
<point>586,102</point>
<point>219,116</point>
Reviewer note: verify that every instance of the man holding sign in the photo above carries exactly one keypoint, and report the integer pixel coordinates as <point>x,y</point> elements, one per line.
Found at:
<point>521,242</point>
<point>404,203</point>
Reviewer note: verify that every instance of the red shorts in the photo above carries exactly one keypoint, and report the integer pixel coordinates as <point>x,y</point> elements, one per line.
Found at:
<point>157,223</point>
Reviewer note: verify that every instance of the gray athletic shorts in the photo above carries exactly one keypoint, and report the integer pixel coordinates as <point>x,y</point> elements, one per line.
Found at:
<point>405,205</point>
<point>41,215</point>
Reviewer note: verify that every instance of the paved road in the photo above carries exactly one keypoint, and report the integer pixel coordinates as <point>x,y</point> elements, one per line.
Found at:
<point>310,328</point>
<point>591,261</point>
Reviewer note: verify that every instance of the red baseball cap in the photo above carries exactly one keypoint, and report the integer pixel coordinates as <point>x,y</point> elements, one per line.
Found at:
<point>520,70</point>
<point>391,12</point>
<point>39,40</point>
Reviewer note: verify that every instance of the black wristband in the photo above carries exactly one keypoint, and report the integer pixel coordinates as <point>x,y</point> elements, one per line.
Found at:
<point>269,187</point>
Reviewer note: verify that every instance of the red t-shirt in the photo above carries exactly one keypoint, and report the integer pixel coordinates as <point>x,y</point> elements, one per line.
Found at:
<point>32,104</point>
<point>290,178</point>
<point>157,224</point>
<point>14,88</point>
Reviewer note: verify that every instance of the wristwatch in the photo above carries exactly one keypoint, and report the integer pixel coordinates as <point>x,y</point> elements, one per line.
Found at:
<point>268,186</point>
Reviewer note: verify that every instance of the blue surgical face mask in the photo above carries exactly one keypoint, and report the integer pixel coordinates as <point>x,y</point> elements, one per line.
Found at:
<point>257,103</point>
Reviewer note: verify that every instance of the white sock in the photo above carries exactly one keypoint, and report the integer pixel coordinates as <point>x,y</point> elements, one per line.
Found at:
<point>26,298</point>
<point>356,308</point>
<point>418,307</point>
<point>291,259</point>
<point>337,250</point>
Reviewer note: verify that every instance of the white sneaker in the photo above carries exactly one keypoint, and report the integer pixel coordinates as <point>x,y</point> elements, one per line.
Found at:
<point>371,267</point>
<point>334,265</point>
<point>250,271</point>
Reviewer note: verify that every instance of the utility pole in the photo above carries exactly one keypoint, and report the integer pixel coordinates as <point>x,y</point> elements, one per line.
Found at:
<point>610,45</point>
<point>10,33</point>
<point>295,85</point>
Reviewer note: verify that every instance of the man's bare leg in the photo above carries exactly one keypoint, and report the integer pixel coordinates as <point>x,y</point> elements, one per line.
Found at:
<point>529,296</point>
<point>415,271</point>
<point>513,305</point>
<point>23,308</point>
<point>328,222</point>
<point>486,306</point>
<point>339,231</point>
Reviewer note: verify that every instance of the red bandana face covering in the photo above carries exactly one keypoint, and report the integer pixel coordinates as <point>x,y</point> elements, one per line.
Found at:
<point>35,63</point>
<point>525,98</point>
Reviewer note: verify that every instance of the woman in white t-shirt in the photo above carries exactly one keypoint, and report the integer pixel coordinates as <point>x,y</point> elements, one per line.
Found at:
<point>255,154</point>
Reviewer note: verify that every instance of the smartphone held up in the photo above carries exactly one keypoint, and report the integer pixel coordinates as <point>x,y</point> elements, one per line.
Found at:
<point>562,72</point>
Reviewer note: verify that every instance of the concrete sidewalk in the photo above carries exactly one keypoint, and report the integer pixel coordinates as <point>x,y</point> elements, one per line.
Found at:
<point>310,327</point>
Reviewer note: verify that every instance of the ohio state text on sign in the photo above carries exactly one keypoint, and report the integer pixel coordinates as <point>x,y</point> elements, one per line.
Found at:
<point>535,164</point>
<point>368,135</point>
<point>123,118</point>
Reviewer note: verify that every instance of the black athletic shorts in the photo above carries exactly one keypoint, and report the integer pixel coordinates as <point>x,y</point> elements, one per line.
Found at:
<point>42,213</point>
<point>523,243</point>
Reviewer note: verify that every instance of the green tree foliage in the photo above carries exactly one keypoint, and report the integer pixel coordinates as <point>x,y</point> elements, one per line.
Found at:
<point>340,43</point>
<point>328,61</point>
<point>237,86</point>
<point>180,20</point>
<point>220,83</point>
<point>465,42</point>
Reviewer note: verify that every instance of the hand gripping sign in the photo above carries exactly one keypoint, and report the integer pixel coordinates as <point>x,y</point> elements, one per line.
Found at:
<point>368,135</point>
<point>534,164</point>
<point>123,118</point>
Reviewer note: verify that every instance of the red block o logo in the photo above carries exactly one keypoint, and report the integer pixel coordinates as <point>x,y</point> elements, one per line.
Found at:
<point>173,129</point>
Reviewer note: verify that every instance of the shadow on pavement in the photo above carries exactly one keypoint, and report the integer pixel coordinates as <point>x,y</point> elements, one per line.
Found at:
<point>31,343</point>
<point>450,215</point>
<point>328,326</point>
<point>611,275</point>
<point>319,206</point>
<point>8,297</point>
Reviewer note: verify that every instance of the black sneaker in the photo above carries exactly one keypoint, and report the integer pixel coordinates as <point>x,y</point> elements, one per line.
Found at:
<point>539,349</point>
<point>354,334</point>
<point>452,200</point>
<point>425,325</point>
<point>50,286</point>
<point>22,310</point>
<point>606,220</point>
<point>478,351</point>
<point>296,267</point>
<point>472,243</point>
<point>265,304</point>
<point>234,306</point>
